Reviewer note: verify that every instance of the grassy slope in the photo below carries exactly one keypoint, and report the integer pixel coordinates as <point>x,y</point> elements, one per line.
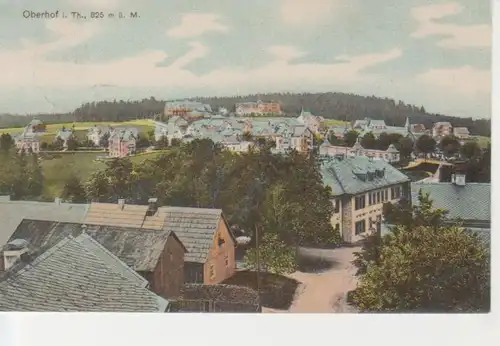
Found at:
<point>333,122</point>
<point>57,170</point>
<point>143,126</point>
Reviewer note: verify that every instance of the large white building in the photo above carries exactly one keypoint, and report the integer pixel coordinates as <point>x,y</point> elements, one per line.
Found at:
<point>359,187</point>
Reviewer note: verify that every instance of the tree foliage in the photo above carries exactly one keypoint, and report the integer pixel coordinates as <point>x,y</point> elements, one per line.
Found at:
<point>281,194</point>
<point>450,145</point>
<point>73,190</point>
<point>275,256</point>
<point>470,150</point>
<point>20,175</point>
<point>426,144</point>
<point>368,141</point>
<point>6,142</point>
<point>350,138</point>
<point>424,264</point>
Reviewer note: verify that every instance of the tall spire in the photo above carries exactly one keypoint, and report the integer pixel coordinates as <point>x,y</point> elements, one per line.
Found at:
<point>407,124</point>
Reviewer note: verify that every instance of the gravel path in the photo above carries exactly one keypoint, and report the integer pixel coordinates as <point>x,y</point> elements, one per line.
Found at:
<point>325,292</point>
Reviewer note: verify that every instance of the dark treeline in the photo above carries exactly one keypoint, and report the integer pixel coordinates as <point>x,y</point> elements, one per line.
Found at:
<point>341,106</point>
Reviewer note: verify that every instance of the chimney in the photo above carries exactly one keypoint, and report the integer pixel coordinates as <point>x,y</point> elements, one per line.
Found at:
<point>152,206</point>
<point>458,179</point>
<point>13,252</point>
<point>121,203</point>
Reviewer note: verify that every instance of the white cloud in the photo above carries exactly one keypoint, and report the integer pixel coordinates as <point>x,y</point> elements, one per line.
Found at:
<point>143,71</point>
<point>197,51</point>
<point>66,34</point>
<point>196,24</point>
<point>285,53</point>
<point>465,81</point>
<point>298,12</point>
<point>456,36</point>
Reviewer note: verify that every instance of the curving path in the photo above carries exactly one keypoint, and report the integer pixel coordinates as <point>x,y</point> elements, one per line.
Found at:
<point>324,291</point>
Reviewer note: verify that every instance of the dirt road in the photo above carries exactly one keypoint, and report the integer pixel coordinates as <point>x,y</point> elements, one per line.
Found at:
<point>324,290</point>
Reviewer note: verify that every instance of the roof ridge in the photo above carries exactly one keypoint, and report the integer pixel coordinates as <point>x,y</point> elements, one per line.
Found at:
<point>110,254</point>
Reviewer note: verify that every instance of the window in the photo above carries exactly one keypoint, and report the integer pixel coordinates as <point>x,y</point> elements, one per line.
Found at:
<point>395,192</point>
<point>370,200</point>
<point>359,202</point>
<point>378,196</point>
<point>211,271</point>
<point>220,240</point>
<point>386,195</point>
<point>226,260</point>
<point>360,227</point>
<point>336,207</point>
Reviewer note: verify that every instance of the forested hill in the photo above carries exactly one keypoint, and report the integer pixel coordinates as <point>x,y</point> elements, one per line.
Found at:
<point>339,106</point>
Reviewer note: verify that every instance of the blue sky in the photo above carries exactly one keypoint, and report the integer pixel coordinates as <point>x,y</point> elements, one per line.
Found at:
<point>431,53</point>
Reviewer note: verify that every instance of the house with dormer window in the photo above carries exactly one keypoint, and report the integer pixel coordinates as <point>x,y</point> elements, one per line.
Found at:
<point>359,188</point>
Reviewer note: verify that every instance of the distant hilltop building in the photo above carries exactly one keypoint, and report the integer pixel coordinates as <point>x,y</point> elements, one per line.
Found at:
<point>258,108</point>
<point>191,109</point>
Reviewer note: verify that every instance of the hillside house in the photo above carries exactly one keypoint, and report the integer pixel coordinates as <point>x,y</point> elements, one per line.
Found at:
<point>158,256</point>
<point>96,133</point>
<point>442,129</point>
<point>64,135</point>
<point>339,131</point>
<point>389,155</point>
<point>36,126</point>
<point>210,245</point>
<point>311,121</point>
<point>27,142</point>
<point>377,127</point>
<point>76,274</point>
<point>461,132</point>
<point>360,186</point>
<point>122,143</point>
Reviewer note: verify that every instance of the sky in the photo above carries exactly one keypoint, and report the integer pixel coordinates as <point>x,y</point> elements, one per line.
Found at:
<point>425,52</point>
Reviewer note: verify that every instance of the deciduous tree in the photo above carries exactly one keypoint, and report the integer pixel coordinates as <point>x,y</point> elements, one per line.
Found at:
<point>426,144</point>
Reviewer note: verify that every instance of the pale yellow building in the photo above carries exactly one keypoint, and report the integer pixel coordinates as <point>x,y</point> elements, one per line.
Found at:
<point>360,187</point>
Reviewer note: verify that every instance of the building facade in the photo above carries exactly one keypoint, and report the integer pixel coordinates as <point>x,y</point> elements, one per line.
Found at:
<point>442,129</point>
<point>461,132</point>
<point>121,143</point>
<point>258,108</point>
<point>210,256</point>
<point>389,155</point>
<point>360,187</point>
<point>96,133</point>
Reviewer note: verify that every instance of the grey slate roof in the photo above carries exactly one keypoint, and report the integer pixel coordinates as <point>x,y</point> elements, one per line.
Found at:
<point>469,202</point>
<point>139,248</point>
<point>195,227</point>
<point>351,175</point>
<point>13,212</point>
<point>76,274</point>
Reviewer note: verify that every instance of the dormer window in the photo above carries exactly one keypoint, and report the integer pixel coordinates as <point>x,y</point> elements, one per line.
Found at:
<point>220,240</point>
